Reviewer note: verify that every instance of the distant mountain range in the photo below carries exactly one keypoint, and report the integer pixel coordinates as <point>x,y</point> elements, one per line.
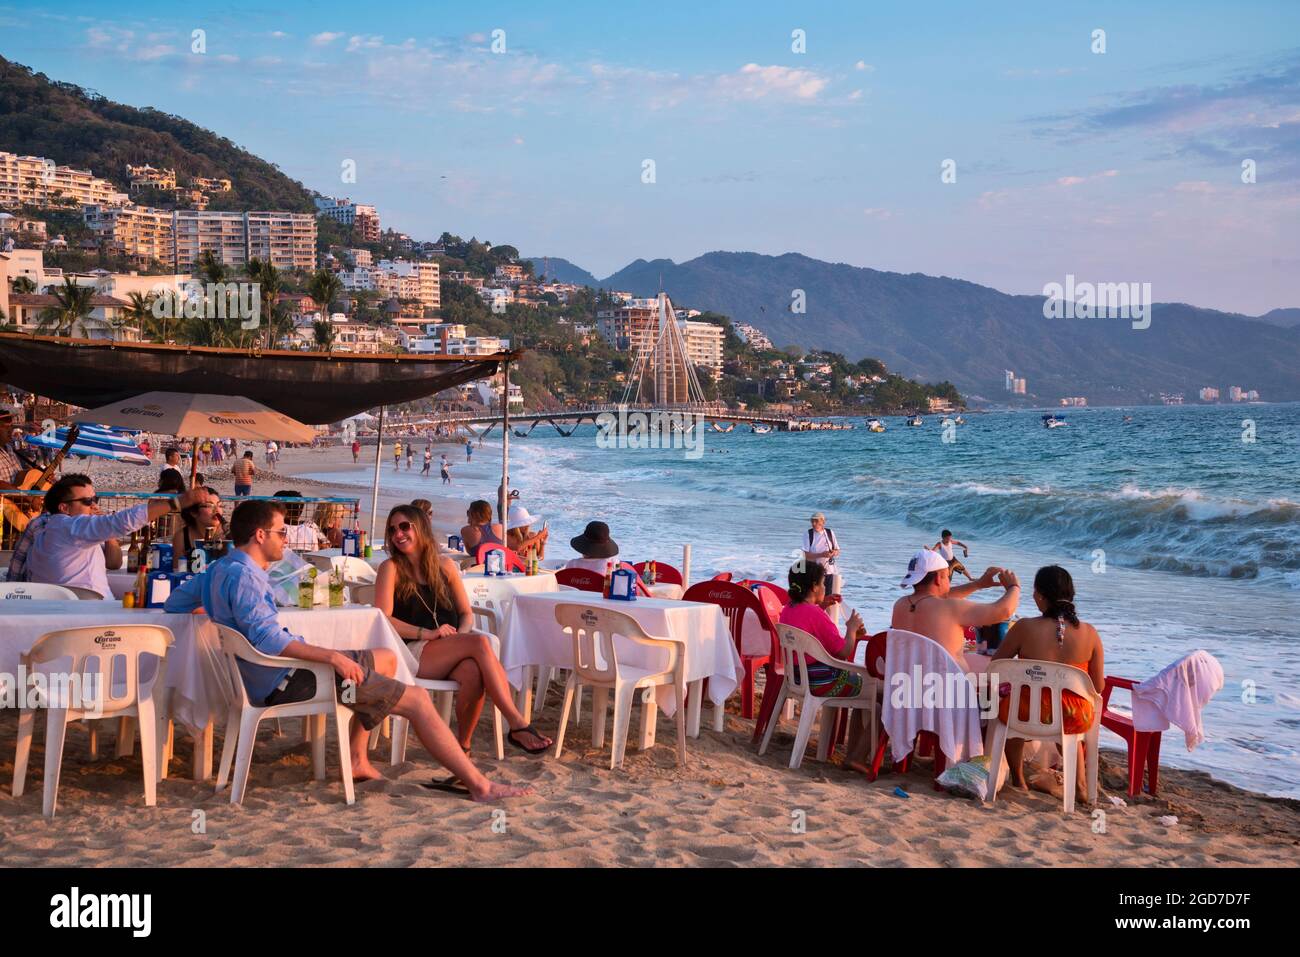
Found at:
<point>935,328</point>
<point>561,270</point>
<point>80,128</point>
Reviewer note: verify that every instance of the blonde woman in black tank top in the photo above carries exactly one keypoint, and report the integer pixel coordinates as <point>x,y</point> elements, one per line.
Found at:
<point>425,600</point>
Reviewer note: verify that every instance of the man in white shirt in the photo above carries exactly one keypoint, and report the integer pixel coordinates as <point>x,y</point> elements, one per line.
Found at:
<point>69,547</point>
<point>819,546</point>
<point>172,457</point>
<point>304,537</point>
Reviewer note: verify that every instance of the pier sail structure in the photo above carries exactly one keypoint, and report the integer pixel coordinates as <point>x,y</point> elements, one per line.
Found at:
<point>662,373</point>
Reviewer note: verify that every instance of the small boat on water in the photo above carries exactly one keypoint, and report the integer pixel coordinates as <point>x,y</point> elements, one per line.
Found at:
<point>947,421</point>
<point>960,420</point>
<point>760,429</point>
<point>875,425</point>
<point>1050,421</point>
<point>915,420</point>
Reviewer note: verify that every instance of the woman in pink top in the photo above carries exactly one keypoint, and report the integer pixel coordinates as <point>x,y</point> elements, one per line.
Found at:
<point>806,612</point>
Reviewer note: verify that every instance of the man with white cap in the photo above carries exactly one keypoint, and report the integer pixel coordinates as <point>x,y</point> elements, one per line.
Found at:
<point>819,546</point>
<point>519,523</point>
<point>941,612</point>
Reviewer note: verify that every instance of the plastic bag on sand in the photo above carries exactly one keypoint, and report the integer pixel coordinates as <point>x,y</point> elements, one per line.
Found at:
<point>971,777</point>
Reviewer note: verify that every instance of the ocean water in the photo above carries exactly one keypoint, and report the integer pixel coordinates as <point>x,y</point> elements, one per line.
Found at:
<point>1179,533</point>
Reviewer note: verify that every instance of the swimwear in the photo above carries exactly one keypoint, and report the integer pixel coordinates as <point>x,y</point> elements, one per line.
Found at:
<point>828,682</point>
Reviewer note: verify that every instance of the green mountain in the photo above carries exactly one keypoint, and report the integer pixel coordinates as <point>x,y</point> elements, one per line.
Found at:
<point>935,328</point>
<point>561,270</point>
<point>1287,318</point>
<point>80,128</point>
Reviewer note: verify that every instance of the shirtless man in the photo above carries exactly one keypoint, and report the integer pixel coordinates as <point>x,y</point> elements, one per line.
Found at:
<point>944,547</point>
<point>942,613</point>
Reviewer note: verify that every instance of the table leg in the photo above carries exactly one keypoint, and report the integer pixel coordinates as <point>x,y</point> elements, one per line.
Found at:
<point>525,694</point>
<point>202,769</point>
<point>695,700</point>
<point>720,717</point>
<point>649,718</point>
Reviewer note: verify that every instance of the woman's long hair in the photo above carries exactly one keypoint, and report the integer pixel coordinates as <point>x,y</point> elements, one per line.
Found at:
<point>329,515</point>
<point>424,564</point>
<point>1057,588</point>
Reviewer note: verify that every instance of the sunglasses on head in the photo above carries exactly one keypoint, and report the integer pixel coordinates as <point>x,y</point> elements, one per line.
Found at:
<point>403,527</point>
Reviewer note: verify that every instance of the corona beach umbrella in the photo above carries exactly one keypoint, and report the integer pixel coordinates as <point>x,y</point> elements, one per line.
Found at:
<point>200,416</point>
<point>94,440</point>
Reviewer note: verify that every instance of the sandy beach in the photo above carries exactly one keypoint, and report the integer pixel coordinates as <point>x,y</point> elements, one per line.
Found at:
<point>729,806</point>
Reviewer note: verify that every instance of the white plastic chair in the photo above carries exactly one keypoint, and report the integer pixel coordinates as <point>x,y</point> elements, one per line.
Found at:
<point>140,699</point>
<point>244,716</point>
<point>1055,677</point>
<point>795,643</point>
<point>595,663</point>
<point>485,620</point>
<point>354,569</point>
<point>361,594</point>
<point>36,591</point>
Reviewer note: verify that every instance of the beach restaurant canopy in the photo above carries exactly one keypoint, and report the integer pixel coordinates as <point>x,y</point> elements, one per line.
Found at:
<point>313,387</point>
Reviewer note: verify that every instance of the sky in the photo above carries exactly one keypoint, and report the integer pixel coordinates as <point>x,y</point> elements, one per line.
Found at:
<point>1007,143</point>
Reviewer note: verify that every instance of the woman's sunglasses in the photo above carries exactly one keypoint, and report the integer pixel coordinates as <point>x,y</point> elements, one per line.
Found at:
<point>403,527</point>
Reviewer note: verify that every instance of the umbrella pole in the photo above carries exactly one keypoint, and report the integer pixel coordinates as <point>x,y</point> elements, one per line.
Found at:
<point>504,504</point>
<point>194,459</point>
<point>374,491</point>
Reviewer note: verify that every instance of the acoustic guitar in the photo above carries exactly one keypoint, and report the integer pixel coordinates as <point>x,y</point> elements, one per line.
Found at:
<point>40,480</point>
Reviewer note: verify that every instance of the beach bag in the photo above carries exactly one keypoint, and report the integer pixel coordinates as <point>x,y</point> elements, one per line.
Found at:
<point>285,575</point>
<point>971,777</point>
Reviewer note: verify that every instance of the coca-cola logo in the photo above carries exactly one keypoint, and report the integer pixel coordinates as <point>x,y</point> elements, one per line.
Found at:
<point>716,593</point>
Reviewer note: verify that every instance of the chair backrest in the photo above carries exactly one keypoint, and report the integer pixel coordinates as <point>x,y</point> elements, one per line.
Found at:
<point>581,579</point>
<point>595,659</point>
<point>769,587</point>
<point>664,573</point>
<point>354,569</point>
<point>1037,676</point>
<point>486,617</point>
<point>734,600</point>
<point>115,650</point>
<point>361,593</point>
<point>320,562</point>
<point>36,591</point>
<point>721,577</point>
<point>795,643</point>
<point>513,563</point>
<point>84,594</point>
<point>875,660</point>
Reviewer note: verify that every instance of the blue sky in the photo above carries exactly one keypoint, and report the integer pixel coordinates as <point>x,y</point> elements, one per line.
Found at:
<point>1117,166</point>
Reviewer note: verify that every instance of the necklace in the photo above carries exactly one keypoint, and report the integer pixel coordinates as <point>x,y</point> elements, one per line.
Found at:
<point>912,604</point>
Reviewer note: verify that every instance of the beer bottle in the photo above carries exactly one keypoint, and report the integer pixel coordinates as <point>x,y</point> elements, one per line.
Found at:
<point>133,554</point>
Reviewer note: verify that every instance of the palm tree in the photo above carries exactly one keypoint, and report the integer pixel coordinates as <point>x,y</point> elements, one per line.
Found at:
<point>70,311</point>
<point>325,288</point>
<point>209,267</point>
<point>264,273</point>
<point>140,314</point>
<point>323,331</point>
<point>23,285</point>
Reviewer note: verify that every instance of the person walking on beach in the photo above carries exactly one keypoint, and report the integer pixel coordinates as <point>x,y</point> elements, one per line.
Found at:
<point>236,592</point>
<point>397,455</point>
<point>428,460</point>
<point>444,467</point>
<point>356,451</point>
<point>410,454</point>
<point>469,450</point>
<point>944,546</point>
<point>243,470</point>
<point>820,546</point>
<point>941,612</point>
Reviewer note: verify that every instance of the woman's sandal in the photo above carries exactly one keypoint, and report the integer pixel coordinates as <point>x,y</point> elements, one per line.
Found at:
<point>530,730</point>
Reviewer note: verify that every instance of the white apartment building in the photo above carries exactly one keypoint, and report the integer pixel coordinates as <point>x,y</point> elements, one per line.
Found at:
<point>755,337</point>
<point>37,181</point>
<point>11,225</point>
<point>287,240</point>
<point>417,280</point>
<point>144,177</point>
<point>361,279</point>
<point>361,257</point>
<point>493,294</point>
<point>704,345</point>
<point>1209,394</point>
<point>363,219</point>
<point>1236,393</point>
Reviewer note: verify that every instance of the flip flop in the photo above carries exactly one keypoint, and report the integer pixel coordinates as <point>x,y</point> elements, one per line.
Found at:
<point>452,785</point>
<point>531,730</point>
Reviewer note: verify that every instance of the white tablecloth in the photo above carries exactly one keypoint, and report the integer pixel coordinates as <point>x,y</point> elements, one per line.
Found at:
<point>196,674</point>
<point>534,638</point>
<point>666,590</point>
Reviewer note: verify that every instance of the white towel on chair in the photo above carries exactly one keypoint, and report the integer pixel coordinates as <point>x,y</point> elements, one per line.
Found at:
<point>908,709</point>
<point>1176,696</point>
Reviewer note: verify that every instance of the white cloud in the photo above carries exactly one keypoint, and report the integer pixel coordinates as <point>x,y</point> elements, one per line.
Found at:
<point>864,65</point>
<point>1071,180</point>
<point>754,82</point>
<point>324,39</point>
<point>279,34</point>
<point>876,212</point>
<point>364,43</point>
<point>855,95</point>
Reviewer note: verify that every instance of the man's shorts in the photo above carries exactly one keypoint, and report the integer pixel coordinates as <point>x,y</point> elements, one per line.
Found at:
<point>372,700</point>
<point>243,489</point>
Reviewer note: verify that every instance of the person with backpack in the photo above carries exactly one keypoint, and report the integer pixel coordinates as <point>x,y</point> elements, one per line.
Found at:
<point>820,546</point>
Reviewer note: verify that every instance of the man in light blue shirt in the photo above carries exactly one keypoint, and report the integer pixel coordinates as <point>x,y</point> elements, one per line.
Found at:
<point>68,548</point>
<point>235,591</point>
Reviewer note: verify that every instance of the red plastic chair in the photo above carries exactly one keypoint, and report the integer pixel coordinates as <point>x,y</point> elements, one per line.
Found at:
<point>1143,746</point>
<point>513,562</point>
<point>586,580</point>
<point>722,577</point>
<point>776,589</point>
<point>735,600</point>
<point>927,742</point>
<point>664,573</point>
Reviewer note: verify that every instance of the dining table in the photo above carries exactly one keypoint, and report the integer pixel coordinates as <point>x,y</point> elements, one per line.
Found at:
<point>533,640</point>
<point>196,683</point>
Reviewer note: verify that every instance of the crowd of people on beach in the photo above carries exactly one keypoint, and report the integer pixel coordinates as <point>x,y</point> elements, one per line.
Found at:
<point>420,590</point>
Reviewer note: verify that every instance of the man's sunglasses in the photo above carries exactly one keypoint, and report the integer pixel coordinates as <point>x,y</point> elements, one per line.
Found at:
<point>88,500</point>
<point>403,527</point>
